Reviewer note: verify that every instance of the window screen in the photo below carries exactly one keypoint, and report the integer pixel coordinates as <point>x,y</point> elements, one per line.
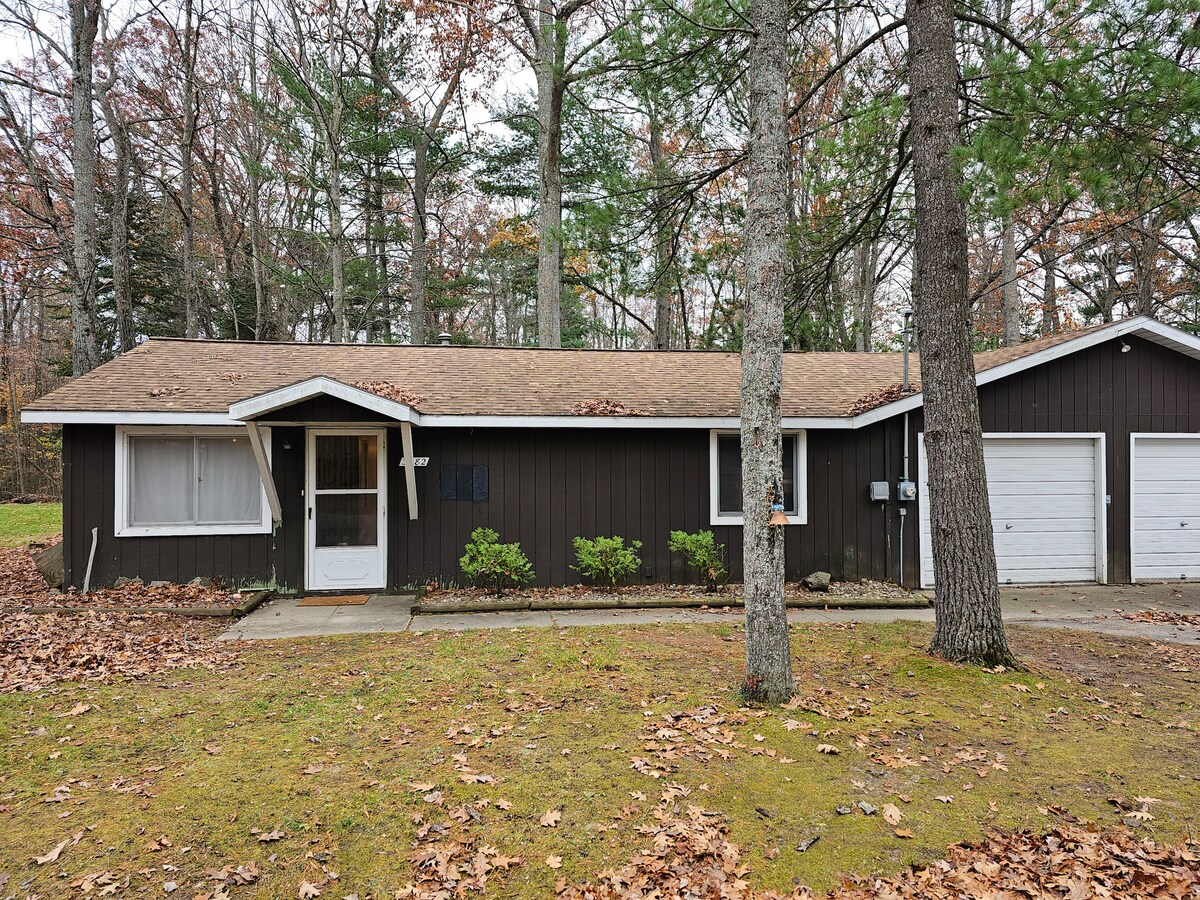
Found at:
<point>463,483</point>
<point>192,481</point>
<point>729,474</point>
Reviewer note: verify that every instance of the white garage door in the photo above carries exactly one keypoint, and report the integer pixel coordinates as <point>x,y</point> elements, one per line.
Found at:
<point>1165,508</point>
<point>1043,494</point>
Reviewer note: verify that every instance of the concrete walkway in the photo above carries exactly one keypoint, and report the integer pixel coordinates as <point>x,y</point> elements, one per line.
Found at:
<point>1088,607</point>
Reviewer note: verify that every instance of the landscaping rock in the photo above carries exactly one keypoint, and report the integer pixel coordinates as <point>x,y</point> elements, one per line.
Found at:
<point>867,808</point>
<point>49,562</point>
<point>123,581</point>
<point>203,582</point>
<point>817,581</point>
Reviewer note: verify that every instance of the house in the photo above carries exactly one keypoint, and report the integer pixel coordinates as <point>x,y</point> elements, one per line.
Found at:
<point>326,467</point>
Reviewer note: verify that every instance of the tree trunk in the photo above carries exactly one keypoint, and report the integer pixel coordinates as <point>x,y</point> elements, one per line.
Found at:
<point>118,247</point>
<point>664,281</point>
<point>968,623</point>
<point>551,85</point>
<point>866,283</point>
<point>85,352</point>
<point>418,315</point>
<point>191,302</point>
<point>768,652</point>
<point>1145,255</point>
<point>1008,284</point>
<point>1048,257</point>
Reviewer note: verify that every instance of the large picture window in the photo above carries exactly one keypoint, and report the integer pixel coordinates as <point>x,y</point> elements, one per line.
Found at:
<point>188,483</point>
<point>726,477</point>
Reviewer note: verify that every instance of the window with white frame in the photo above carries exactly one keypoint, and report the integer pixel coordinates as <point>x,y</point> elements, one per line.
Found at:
<point>725,464</point>
<point>200,481</point>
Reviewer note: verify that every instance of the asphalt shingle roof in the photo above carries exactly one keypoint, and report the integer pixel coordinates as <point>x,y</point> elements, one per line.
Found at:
<point>175,375</point>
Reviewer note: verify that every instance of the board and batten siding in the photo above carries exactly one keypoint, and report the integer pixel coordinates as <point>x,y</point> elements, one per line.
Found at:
<point>548,486</point>
<point>89,485</point>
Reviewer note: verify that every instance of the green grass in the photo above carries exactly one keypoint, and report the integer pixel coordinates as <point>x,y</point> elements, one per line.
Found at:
<point>21,523</point>
<point>556,717</point>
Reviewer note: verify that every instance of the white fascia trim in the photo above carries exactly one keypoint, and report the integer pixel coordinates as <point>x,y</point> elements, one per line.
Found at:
<point>316,387</point>
<point>83,417</point>
<point>728,423</point>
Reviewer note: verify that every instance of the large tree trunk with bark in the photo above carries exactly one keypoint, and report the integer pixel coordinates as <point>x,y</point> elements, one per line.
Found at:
<point>1048,256</point>
<point>551,85</point>
<point>118,246</point>
<point>664,286</point>
<point>85,351</point>
<point>191,300</point>
<point>768,651</point>
<point>418,310</point>
<point>968,627</point>
<point>1011,297</point>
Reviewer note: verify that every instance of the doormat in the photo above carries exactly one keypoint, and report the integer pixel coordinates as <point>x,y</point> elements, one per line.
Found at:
<point>345,600</point>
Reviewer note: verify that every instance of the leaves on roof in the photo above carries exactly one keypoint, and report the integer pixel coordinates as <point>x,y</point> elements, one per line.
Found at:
<point>233,377</point>
<point>877,398</point>
<point>389,391</point>
<point>165,391</point>
<point>603,406</point>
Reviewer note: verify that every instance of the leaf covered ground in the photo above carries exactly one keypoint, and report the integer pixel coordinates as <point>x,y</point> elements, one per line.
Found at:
<point>535,763</point>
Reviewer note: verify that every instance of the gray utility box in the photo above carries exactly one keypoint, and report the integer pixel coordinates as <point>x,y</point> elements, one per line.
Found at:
<point>880,492</point>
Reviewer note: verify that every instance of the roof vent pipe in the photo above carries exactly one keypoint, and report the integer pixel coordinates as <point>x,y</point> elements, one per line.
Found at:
<point>907,313</point>
<point>444,337</point>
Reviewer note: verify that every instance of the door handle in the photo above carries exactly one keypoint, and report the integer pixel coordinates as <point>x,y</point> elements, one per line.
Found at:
<point>310,514</point>
<point>1183,524</point>
<point>1009,525</point>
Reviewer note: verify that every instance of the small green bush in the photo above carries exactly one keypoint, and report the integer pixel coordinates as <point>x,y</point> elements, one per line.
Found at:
<point>493,565</point>
<point>607,559</point>
<point>701,551</point>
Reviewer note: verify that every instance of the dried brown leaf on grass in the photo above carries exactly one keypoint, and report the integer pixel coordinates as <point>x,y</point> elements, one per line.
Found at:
<point>22,585</point>
<point>693,856</point>
<point>36,651</point>
<point>448,862</point>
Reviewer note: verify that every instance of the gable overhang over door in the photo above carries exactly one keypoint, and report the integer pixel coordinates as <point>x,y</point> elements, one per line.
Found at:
<point>375,408</point>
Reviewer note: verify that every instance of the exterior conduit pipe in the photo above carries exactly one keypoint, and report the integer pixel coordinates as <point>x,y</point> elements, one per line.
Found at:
<point>87,576</point>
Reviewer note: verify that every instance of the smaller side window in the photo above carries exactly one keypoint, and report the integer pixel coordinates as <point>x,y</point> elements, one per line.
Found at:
<point>466,483</point>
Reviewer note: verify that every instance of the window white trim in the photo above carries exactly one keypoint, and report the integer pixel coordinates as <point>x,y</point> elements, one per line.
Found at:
<point>716,517</point>
<point>121,526</point>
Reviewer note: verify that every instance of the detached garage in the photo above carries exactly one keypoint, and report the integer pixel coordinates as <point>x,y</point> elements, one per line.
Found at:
<point>1047,503</point>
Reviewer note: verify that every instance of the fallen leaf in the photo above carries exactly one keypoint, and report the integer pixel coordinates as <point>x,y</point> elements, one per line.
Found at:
<point>56,851</point>
<point>891,814</point>
<point>554,862</point>
<point>550,819</point>
<point>904,833</point>
<point>828,748</point>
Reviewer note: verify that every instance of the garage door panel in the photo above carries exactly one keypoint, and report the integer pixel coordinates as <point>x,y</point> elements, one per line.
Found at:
<point>1037,542</point>
<point>1044,490</point>
<point>1166,492</point>
<point>1051,506</point>
<point>1020,470</point>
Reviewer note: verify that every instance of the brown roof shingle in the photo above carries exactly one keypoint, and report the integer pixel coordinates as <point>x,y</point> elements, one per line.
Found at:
<point>175,375</point>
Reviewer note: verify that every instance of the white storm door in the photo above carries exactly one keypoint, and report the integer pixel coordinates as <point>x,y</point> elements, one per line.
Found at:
<point>345,509</point>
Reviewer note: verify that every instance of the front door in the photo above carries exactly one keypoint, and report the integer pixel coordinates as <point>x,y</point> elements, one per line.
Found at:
<point>346,510</point>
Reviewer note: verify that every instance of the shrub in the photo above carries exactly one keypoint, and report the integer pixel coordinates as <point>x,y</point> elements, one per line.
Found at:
<point>607,558</point>
<point>701,551</point>
<point>493,565</point>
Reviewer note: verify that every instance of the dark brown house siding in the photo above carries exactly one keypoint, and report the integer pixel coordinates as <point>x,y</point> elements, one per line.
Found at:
<point>548,486</point>
<point>89,482</point>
